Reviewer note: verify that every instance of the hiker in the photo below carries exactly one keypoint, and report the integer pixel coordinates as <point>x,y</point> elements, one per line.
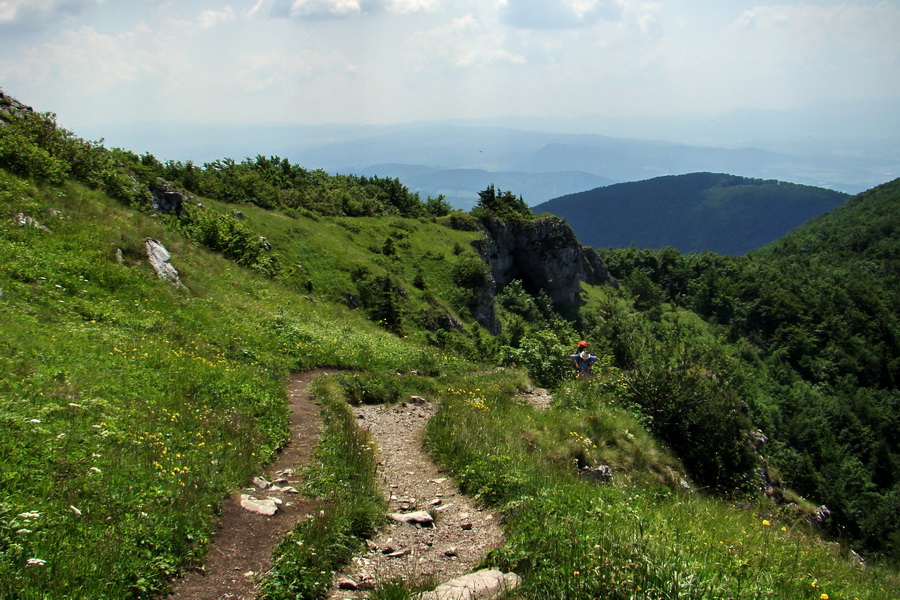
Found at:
<point>583,361</point>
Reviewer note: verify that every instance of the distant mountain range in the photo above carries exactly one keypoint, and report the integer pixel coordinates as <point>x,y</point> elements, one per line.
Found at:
<point>459,158</point>
<point>699,211</point>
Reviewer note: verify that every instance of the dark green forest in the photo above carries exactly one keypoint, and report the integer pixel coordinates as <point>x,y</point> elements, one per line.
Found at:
<point>723,213</point>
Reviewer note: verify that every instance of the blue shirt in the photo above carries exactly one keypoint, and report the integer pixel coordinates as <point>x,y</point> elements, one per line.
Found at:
<point>583,365</point>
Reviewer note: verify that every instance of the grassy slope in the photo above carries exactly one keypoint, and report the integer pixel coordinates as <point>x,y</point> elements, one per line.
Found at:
<point>130,406</point>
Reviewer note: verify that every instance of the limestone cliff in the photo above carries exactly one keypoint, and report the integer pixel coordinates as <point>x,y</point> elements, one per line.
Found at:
<point>544,254</point>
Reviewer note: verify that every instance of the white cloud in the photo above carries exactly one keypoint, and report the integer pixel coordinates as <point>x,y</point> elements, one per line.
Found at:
<point>76,53</point>
<point>560,14</point>
<point>464,42</point>
<point>16,11</point>
<point>412,6</point>
<point>334,8</point>
<point>213,18</point>
<point>306,8</point>
<point>339,8</point>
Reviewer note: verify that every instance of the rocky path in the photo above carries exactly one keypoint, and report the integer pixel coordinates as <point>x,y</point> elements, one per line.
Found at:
<point>461,533</point>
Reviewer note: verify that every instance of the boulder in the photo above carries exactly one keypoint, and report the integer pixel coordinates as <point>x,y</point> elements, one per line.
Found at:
<point>419,517</point>
<point>165,198</point>
<point>266,506</point>
<point>159,259</point>
<point>487,583</point>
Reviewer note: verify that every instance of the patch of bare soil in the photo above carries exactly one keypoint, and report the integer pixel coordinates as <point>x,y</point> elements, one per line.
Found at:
<point>461,534</point>
<point>241,550</point>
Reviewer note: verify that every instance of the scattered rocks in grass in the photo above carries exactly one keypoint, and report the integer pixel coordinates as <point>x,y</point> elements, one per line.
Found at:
<point>601,474</point>
<point>23,220</point>
<point>538,398</point>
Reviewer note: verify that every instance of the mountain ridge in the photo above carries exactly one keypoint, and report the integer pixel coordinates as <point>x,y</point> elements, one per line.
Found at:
<point>724,213</point>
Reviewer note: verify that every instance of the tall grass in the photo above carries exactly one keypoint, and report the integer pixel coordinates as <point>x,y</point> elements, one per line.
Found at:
<point>639,537</point>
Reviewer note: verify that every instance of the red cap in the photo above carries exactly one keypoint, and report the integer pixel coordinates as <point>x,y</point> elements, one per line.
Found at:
<point>582,344</point>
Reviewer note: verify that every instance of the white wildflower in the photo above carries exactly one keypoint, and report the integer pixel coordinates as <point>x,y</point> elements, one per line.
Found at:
<point>37,562</point>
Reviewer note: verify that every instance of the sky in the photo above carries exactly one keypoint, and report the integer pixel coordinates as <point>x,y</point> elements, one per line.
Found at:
<point>96,62</point>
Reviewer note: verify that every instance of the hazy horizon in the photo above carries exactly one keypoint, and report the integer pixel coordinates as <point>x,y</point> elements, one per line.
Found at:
<point>798,77</point>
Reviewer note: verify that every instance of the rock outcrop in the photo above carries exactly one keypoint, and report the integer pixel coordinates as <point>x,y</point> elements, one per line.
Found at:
<point>165,197</point>
<point>544,254</point>
<point>11,108</point>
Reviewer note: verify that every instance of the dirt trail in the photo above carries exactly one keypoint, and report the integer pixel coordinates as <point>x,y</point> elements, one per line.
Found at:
<point>462,532</point>
<point>454,544</point>
<point>242,548</point>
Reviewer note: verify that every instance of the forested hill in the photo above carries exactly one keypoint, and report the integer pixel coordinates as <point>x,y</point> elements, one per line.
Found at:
<point>865,229</point>
<point>695,212</point>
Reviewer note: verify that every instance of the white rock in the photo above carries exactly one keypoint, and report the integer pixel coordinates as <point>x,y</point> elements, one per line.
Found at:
<point>486,583</point>
<point>420,516</point>
<point>261,507</point>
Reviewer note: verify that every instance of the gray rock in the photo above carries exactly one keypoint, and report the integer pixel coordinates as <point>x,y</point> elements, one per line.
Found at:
<point>419,517</point>
<point>486,583</point>
<point>348,584</point>
<point>165,198</point>
<point>266,506</point>
<point>603,473</point>
<point>159,259</point>
<point>545,254</point>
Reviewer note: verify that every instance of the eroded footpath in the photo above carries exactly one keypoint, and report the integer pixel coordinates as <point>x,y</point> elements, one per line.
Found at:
<point>454,544</point>
<point>241,550</point>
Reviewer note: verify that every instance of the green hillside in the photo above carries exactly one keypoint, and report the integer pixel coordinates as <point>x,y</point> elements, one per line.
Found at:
<point>700,211</point>
<point>131,405</point>
<point>820,307</point>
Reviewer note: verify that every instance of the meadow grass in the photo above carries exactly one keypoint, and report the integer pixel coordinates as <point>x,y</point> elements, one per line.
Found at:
<point>638,537</point>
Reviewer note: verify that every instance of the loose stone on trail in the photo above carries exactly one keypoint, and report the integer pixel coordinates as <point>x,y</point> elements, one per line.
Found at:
<point>266,506</point>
